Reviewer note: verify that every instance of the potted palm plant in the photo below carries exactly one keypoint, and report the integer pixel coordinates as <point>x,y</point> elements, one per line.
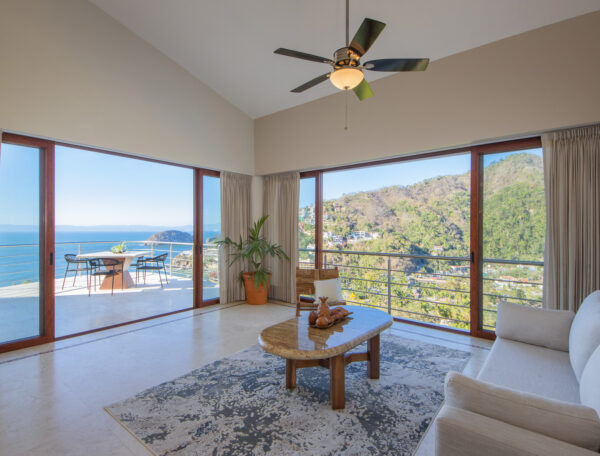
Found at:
<point>252,253</point>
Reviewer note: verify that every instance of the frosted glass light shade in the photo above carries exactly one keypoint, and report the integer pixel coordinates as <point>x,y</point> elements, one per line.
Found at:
<point>346,78</point>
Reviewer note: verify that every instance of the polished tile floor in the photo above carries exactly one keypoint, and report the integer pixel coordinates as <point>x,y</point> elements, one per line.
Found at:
<point>52,396</point>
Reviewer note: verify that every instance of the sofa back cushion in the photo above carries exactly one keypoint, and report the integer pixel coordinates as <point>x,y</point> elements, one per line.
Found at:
<point>585,333</point>
<point>543,327</point>
<point>589,387</point>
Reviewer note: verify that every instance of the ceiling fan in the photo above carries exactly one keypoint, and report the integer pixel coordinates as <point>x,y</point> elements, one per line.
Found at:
<point>347,70</point>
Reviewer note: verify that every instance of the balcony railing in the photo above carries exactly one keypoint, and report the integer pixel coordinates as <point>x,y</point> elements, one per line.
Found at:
<point>429,288</point>
<point>20,263</point>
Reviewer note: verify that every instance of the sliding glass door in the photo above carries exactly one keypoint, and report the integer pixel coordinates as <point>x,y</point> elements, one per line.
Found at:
<point>211,232</point>
<point>129,237</point>
<point>20,301</point>
<point>513,231</point>
<point>137,213</point>
<point>306,223</point>
<point>26,231</point>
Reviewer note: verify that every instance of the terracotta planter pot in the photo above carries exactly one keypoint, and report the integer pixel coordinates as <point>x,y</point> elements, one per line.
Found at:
<point>255,295</point>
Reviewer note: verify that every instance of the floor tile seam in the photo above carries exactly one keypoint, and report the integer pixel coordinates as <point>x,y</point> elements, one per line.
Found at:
<point>193,315</point>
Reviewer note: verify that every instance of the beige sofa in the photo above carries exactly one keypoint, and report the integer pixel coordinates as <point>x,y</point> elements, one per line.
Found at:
<point>538,392</point>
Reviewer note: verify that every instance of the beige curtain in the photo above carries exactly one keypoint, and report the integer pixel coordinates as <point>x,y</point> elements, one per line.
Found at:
<point>572,182</point>
<point>280,203</point>
<point>235,221</point>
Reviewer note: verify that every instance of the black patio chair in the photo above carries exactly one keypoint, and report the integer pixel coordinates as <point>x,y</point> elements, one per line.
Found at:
<point>107,267</point>
<point>76,265</point>
<point>156,263</point>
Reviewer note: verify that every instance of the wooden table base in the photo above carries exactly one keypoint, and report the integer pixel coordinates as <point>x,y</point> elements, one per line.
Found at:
<point>336,366</point>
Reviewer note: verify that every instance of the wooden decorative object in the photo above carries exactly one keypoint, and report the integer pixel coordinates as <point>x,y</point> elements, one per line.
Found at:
<point>324,317</point>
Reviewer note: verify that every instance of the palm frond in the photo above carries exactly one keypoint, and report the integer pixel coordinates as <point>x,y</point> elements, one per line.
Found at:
<point>253,251</point>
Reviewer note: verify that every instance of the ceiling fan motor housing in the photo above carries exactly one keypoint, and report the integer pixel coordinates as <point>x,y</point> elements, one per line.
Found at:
<point>346,57</point>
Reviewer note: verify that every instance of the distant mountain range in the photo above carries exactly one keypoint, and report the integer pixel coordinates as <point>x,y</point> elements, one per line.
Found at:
<point>120,228</point>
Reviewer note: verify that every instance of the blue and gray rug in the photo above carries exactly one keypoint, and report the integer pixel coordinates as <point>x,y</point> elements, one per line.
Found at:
<point>239,406</point>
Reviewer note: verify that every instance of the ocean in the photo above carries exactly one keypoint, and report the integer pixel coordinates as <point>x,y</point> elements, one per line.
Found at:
<point>19,251</point>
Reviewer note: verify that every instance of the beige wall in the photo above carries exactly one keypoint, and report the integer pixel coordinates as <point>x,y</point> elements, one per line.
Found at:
<point>541,80</point>
<point>70,72</point>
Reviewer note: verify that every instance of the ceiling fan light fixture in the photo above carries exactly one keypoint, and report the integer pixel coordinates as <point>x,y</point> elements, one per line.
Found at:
<point>346,78</point>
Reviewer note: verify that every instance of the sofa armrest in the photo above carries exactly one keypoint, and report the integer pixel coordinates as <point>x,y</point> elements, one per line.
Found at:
<point>459,432</point>
<point>572,423</point>
<point>543,327</point>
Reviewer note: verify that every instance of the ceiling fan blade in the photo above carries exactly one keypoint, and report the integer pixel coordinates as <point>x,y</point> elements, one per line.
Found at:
<point>363,91</point>
<point>311,83</point>
<point>302,55</point>
<point>366,35</point>
<point>397,65</point>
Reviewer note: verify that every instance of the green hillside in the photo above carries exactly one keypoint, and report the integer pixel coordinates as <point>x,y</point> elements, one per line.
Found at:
<point>434,215</point>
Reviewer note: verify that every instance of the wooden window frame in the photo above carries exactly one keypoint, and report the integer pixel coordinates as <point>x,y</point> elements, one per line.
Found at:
<point>47,237</point>
<point>477,152</point>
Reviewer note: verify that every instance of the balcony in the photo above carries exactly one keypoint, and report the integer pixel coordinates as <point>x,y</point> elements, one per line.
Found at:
<point>77,312</point>
<point>431,289</point>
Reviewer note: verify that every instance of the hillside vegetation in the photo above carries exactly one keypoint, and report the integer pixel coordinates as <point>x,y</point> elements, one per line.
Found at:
<point>436,213</point>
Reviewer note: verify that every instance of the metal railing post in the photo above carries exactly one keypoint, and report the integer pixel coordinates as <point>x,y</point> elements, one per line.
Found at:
<point>171,260</point>
<point>389,284</point>
<point>78,265</point>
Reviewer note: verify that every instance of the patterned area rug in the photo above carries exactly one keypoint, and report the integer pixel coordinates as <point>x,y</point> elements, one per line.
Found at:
<point>239,405</point>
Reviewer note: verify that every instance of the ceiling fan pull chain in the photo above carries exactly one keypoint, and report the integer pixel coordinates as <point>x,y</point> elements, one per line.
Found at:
<point>346,121</point>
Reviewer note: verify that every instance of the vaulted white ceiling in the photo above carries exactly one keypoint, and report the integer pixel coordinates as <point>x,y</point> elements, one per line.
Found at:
<point>228,44</point>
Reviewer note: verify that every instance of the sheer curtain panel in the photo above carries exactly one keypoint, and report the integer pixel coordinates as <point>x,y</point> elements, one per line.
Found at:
<point>280,203</point>
<point>572,181</point>
<point>236,192</point>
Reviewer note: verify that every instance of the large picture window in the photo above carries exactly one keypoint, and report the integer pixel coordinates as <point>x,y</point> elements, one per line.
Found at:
<point>429,239</point>
<point>399,233</point>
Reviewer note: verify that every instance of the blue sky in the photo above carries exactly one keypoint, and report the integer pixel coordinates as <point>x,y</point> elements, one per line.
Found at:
<point>338,183</point>
<point>19,185</point>
<point>101,189</point>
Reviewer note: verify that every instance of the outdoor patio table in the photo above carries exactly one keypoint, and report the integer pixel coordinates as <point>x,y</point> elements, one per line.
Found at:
<point>125,258</point>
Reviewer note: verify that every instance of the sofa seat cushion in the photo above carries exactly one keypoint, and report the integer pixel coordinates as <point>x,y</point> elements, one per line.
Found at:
<point>531,369</point>
<point>585,336</point>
